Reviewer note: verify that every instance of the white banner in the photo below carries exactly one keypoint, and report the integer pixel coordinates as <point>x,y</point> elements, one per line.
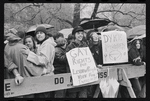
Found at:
<point>114,46</point>
<point>82,66</point>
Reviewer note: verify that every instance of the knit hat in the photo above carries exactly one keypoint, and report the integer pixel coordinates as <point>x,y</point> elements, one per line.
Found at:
<point>40,28</point>
<point>77,29</point>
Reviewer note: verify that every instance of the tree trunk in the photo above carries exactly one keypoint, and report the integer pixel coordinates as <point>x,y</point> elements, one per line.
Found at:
<point>93,16</point>
<point>76,15</point>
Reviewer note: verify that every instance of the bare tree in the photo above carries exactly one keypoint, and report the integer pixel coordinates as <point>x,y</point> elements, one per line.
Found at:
<point>76,16</point>
<point>117,10</point>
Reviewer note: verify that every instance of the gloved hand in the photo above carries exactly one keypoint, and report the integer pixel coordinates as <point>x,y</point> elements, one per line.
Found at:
<point>44,71</point>
<point>19,79</point>
<point>144,63</point>
<point>27,51</point>
<point>99,66</point>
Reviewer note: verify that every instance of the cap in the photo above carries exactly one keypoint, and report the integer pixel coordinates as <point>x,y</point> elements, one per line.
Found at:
<point>77,29</point>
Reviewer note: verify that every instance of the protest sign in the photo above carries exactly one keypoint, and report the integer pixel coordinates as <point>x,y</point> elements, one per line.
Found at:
<point>114,46</point>
<point>82,66</point>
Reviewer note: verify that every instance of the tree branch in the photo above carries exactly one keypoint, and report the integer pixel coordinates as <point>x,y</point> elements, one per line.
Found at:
<point>31,18</point>
<point>95,10</point>
<point>54,16</point>
<point>118,12</point>
<point>129,26</point>
<point>22,9</point>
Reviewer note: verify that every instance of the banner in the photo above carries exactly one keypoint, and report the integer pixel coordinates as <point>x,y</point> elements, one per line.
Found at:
<point>114,46</point>
<point>82,66</point>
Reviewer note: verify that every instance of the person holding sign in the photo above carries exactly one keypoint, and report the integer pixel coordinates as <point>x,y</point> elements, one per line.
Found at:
<point>136,57</point>
<point>95,45</point>
<point>78,34</point>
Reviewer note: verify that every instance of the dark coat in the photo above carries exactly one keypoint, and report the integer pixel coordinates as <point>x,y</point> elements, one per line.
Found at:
<point>144,53</point>
<point>135,53</point>
<point>75,44</point>
<point>96,51</point>
<point>60,61</point>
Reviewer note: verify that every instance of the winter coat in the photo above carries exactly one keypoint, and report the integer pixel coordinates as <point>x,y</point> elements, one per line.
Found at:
<point>96,51</point>
<point>45,55</point>
<point>144,53</point>
<point>8,65</point>
<point>136,56</point>
<point>60,60</point>
<point>75,44</point>
<point>17,53</point>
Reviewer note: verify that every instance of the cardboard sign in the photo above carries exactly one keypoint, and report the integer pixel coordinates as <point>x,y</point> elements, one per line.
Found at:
<point>114,46</point>
<point>82,66</point>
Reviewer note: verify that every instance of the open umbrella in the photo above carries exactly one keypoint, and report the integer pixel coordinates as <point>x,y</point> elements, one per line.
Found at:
<point>32,29</point>
<point>111,27</point>
<point>136,31</point>
<point>94,23</point>
<point>138,37</point>
<point>66,32</point>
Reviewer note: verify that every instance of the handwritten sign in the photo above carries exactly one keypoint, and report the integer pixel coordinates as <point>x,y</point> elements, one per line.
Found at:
<point>82,66</point>
<point>114,46</point>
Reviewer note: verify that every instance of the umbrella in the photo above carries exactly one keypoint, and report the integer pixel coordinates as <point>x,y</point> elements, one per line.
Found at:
<point>32,29</point>
<point>136,31</point>
<point>112,27</point>
<point>138,37</point>
<point>66,32</point>
<point>94,23</point>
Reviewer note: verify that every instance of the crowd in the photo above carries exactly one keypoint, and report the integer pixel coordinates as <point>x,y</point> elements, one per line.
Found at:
<point>44,54</point>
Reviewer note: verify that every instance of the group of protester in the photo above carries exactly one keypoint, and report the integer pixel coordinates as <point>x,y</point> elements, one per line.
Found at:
<point>44,54</point>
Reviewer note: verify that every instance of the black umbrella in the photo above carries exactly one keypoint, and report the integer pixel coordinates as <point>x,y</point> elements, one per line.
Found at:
<point>94,23</point>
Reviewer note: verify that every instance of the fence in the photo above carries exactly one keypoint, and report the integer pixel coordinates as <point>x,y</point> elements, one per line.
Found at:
<point>62,81</point>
